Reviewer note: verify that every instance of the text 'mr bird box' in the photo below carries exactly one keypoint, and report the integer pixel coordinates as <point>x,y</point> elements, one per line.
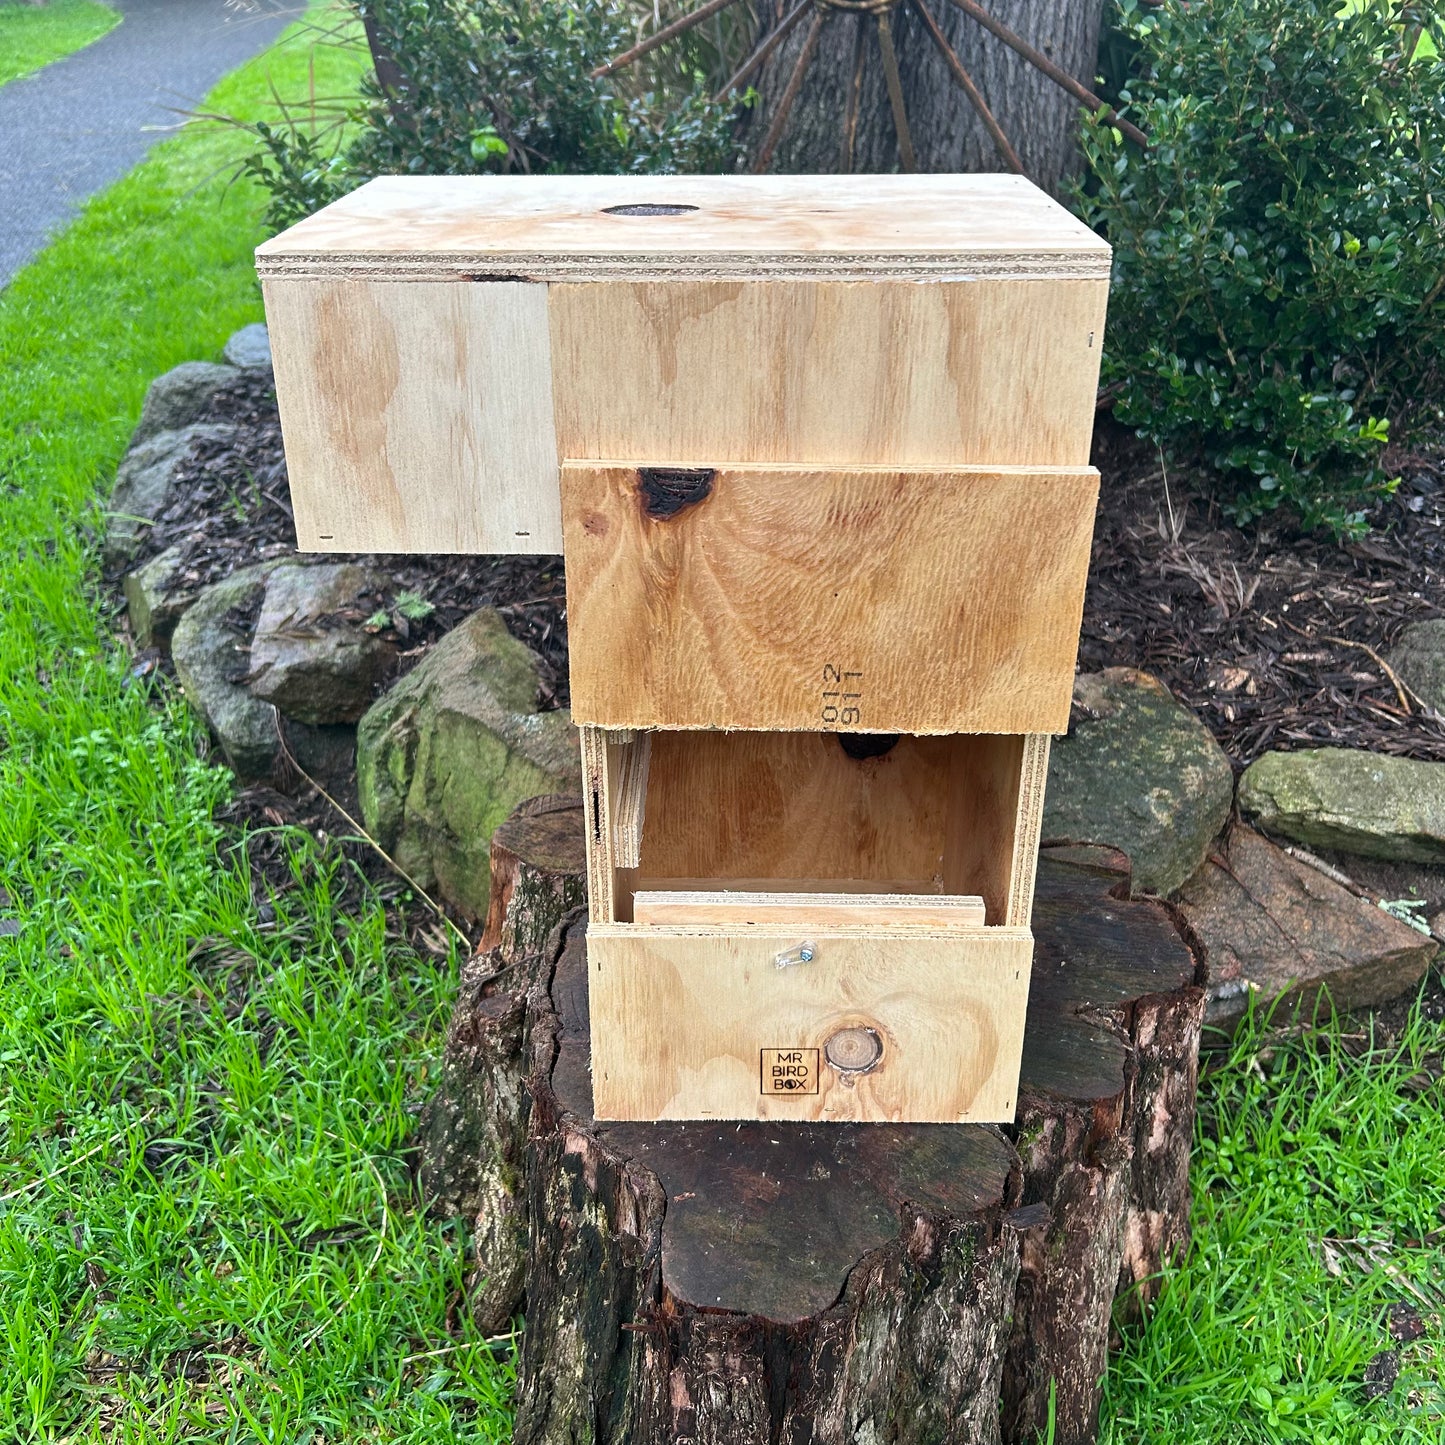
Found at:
<point>816,451</point>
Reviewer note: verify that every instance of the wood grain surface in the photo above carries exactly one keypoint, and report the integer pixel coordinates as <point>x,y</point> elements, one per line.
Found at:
<point>686,1023</point>
<point>416,417</point>
<point>887,372</point>
<point>850,600</point>
<point>795,805</point>
<point>533,227</point>
<point>806,908</point>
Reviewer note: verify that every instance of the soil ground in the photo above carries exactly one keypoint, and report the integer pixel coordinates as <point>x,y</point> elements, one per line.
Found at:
<point>1276,639</point>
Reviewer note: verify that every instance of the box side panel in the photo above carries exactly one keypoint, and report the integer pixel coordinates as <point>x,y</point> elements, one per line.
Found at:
<point>417,415</point>
<point>982,820</point>
<point>1028,827</point>
<point>850,600</point>
<point>703,1024</point>
<point>829,373</point>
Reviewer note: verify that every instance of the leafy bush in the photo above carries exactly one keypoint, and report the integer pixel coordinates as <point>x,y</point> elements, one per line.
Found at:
<point>492,86</point>
<point>1279,274</point>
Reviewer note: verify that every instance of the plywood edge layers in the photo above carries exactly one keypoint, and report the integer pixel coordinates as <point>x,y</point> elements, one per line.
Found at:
<point>775,931</point>
<point>1027,828</point>
<point>1084,265</point>
<point>597,801</point>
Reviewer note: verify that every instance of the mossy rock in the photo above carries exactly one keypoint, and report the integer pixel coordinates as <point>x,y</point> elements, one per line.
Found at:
<point>1141,773</point>
<point>446,754</point>
<point>1356,802</point>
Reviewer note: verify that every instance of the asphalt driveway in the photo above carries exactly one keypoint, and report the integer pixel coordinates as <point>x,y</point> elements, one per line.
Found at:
<point>72,128</point>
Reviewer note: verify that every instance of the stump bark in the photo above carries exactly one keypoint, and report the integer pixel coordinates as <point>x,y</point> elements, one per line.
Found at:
<point>791,1283</point>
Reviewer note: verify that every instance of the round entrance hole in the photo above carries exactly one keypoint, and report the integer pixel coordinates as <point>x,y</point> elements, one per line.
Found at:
<point>647,209</point>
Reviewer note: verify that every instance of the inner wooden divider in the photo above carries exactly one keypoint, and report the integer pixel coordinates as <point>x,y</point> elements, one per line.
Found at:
<point>793,812</point>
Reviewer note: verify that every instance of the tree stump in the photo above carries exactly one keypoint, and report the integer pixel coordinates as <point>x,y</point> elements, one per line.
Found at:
<point>474,1130</point>
<point>782,1282</point>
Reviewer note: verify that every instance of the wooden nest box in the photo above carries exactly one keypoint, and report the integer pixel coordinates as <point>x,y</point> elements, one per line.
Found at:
<point>816,451</point>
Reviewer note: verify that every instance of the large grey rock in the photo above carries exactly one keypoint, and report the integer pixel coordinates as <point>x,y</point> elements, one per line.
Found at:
<point>143,484</point>
<point>1356,802</point>
<point>1280,932</point>
<point>250,347</point>
<point>446,754</point>
<point>309,655</point>
<point>1141,773</point>
<point>1419,658</point>
<point>179,397</point>
<point>156,596</point>
<point>209,655</point>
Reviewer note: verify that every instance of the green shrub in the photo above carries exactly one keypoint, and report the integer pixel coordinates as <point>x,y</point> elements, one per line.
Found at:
<point>1279,273</point>
<point>494,86</point>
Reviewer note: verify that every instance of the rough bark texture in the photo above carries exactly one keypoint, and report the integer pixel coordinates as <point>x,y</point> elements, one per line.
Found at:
<point>1104,1129</point>
<point>1036,115</point>
<point>813,1283</point>
<point>474,1131</point>
<point>754,1283</point>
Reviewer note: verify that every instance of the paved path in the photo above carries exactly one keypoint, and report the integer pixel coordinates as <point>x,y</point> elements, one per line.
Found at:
<point>72,128</point>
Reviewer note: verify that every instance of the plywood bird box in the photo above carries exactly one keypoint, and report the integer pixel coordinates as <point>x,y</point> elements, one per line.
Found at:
<point>816,451</point>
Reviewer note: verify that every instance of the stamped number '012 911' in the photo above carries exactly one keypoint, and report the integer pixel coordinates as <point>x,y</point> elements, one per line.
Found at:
<point>842,703</point>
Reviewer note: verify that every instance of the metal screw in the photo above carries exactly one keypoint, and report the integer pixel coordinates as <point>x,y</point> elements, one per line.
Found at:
<point>800,953</point>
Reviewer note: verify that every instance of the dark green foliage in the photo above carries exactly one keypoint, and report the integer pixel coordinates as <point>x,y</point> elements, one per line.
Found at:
<point>298,170</point>
<point>495,86</point>
<point>1280,249</point>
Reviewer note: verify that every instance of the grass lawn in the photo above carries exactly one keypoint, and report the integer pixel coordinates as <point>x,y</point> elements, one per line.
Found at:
<point>207,1229</point>
<point>34,35</point>
<point>1319,1205</point>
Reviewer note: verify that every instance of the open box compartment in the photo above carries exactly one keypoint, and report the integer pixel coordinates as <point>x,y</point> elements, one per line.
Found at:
<point>696,1020</point>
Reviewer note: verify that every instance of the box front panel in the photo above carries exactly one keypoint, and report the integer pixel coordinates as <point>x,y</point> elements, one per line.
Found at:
<point>417,415</point>
<point>848,600</point>
<point>913,1026</point>
<point>892,373</point>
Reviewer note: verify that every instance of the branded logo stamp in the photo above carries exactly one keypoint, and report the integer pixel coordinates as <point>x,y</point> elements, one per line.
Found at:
<point>789,1071</point>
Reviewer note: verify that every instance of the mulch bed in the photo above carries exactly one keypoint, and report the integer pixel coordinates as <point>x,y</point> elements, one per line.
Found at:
<point>1275,639</point>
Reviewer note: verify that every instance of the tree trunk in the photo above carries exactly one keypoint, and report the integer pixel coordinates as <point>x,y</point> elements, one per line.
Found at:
<point>947,134</point>
<point>790,1283</point>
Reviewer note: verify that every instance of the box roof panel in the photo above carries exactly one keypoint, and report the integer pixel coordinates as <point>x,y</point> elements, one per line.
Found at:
<point>724,227</point>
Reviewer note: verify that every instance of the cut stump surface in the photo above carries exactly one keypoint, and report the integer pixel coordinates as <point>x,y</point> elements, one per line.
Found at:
<point>783,1282</point>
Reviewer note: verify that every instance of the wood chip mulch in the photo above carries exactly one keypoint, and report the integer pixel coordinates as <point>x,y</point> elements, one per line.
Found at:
<point>1275,639</point>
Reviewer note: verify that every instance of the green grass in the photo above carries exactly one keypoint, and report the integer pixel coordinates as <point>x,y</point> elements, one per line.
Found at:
<point>31,36</point>
<point>1319,1186</point>
<point>208,1230</point>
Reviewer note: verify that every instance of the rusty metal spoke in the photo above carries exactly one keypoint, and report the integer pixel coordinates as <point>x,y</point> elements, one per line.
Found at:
<point>966,84</point>
<point>906,158</point>
<point>785,104</point>
<point>678,27</point>
<point>1056,73</point>
<point>771,41</point>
